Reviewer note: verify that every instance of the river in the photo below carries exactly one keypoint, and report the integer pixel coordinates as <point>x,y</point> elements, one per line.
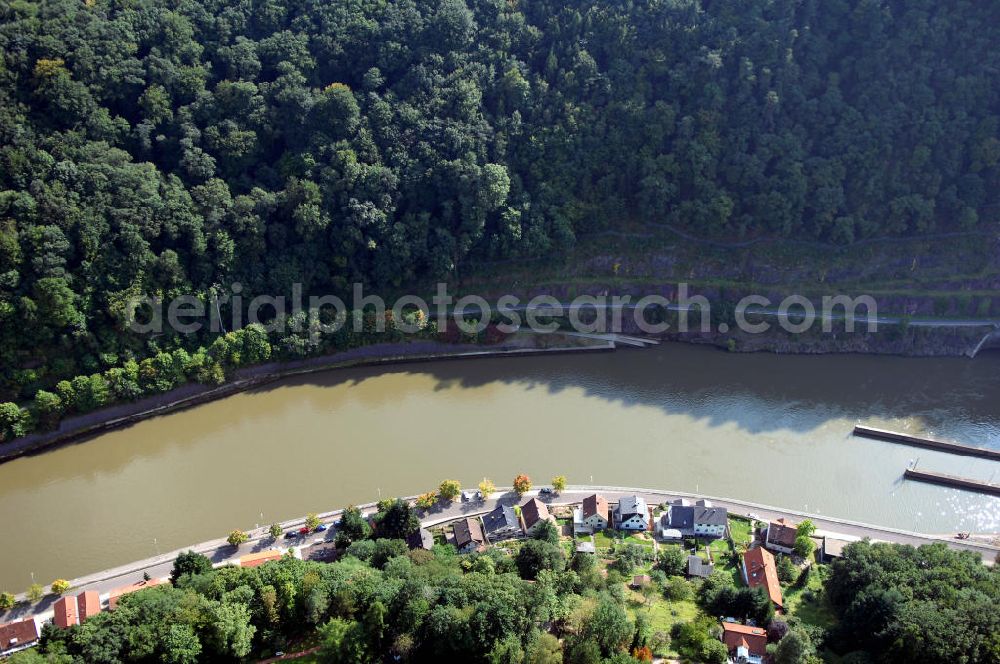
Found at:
<point>765,428</point>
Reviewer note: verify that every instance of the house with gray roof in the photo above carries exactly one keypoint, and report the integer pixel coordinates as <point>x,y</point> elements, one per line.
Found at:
<point>501,523</point>
<point>701,519</point>
<point>631,513</point>
<point>710,521</point>
<point>698,566</point>
<point>420,539</point>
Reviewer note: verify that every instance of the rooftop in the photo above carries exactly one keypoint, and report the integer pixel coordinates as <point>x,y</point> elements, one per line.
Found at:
<point>698,566</point>
<point>534,511</point>
<point>596,504</point>
<point>632,505</point>
<point>640,580</point>
<point>259,558</point>
<point>117,593</point>
<point>712,516</point>
<point>754,639</point>
<point>500,518</point>
<point>833,547</point>
<point>420,539</point>
<point>762,572</point>
<point>16,634</point>
<point>65,612</point>
<point>468,531</point>
<point>88,604</point>
<point>782,532</point>
<point>680,516</point>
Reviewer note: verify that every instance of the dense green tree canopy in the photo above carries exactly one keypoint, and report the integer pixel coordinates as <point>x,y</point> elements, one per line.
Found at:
<point>929,604</point>
<point>170,147</point>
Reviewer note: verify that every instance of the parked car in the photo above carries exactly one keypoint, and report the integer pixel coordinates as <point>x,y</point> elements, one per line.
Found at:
<point>321,528</point>
<point>291,534</point>
<point>303,531</point>
<point>546,491</point>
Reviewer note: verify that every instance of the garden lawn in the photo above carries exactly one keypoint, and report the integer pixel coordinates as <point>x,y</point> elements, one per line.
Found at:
<point>740,530</point>
<point>663,615</point>
<point>602,541</point>
<point>641,541</point>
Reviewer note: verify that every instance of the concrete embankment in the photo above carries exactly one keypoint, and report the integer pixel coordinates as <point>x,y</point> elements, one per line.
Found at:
<point>928,443</point>
<point>952,481</point>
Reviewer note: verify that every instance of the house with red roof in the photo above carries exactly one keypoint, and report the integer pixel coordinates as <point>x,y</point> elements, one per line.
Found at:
<point>17,636</point>
<point>66,612</point>
<point>746,644</point>
<point>88,603</point>
<point>760,571</point>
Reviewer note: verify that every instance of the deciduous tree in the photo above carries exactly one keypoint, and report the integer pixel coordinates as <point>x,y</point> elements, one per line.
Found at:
<point>522,484</point>
<point>237,537</point>
<point>449,489</point>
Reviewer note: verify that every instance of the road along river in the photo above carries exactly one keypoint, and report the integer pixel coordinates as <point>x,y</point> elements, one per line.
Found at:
<point>764,428</point>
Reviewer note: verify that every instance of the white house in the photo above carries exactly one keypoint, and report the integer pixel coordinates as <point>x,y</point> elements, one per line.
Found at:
<point>631,513</point>
<point>592,516</point>
<point>699,520</point>
<point>710,521</point>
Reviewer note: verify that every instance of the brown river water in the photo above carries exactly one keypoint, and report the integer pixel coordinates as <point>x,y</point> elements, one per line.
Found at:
<point>765,428</point>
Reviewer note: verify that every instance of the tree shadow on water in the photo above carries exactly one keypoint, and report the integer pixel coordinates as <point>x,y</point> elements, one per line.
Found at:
<point>759,393</point>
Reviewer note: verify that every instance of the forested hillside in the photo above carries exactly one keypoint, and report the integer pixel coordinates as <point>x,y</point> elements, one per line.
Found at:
<point>163,147</point>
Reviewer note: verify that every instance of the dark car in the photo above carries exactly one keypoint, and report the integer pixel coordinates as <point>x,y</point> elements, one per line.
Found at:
<point>321,528</point>
<point>545,491</point>
<point>291,534</point>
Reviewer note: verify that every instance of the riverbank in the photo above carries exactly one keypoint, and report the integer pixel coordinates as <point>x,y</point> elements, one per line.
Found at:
<point>82,427</point>
<point>896,336</point>
<point>221,553</point>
